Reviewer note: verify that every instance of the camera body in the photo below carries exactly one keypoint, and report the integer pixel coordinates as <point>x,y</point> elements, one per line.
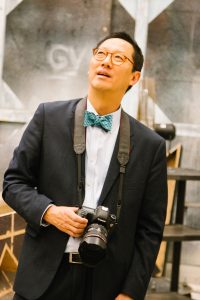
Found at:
<point>92,248</point>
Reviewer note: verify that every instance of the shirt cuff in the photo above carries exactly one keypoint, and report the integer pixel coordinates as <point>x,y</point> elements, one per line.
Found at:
<point>43,222</point>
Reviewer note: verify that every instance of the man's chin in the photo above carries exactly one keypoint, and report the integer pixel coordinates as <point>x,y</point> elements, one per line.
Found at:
<point>102,86</point>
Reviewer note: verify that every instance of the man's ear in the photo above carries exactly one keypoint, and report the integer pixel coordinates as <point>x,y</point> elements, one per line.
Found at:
<point>135,77</point>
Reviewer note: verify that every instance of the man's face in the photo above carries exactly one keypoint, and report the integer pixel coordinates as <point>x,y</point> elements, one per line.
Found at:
<point>106,76</point>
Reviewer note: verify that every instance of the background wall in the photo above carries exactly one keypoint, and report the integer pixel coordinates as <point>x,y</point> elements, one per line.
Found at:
<point>47,49</point>
<point>173,60</point>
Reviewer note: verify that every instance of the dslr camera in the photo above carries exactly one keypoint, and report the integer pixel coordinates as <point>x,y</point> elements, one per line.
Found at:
<point>92,248</point>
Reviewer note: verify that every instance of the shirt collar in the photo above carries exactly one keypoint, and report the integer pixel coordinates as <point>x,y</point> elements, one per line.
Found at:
<point>116,115</point>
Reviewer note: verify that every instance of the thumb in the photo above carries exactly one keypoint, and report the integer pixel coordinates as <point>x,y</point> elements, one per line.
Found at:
<point>75,209</point>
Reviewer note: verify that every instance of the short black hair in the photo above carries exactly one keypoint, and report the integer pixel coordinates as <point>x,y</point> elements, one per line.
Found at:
<point>138,57</point>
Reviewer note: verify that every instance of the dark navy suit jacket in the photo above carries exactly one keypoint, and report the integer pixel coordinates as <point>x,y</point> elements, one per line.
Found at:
<point>44,170</point>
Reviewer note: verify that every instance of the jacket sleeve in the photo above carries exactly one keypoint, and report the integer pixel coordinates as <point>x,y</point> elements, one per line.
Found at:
<point>149,228</point>
<point>20,186</point>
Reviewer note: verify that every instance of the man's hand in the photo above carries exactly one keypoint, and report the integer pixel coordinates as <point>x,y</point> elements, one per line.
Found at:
<point>123,297</point>
<point>66,219</point>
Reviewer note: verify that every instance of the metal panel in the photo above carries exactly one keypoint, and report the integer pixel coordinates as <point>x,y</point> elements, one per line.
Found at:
<point>2,36</point>
<point>11,4</point>
<point>155,7</point>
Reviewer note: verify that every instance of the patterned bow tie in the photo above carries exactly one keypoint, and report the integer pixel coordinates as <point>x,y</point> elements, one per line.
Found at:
<point>90,119</point>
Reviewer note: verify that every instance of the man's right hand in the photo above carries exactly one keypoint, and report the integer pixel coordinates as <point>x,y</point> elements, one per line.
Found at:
<point>65,219</point>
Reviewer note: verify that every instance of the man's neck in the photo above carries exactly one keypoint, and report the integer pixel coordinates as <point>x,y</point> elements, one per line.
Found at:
<point>104,103</point>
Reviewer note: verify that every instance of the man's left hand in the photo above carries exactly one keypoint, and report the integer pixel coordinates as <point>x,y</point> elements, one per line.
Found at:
<point>123,297</point>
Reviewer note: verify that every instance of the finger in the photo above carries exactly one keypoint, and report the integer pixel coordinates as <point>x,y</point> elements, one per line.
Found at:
<point>70,233</point>
<point>70,230</point>
<point>74,229</point>
<point>74,235</point>
<point>78,225</point>
<point>79,219</point>
<point>75,222</point>
<point>71,213</point>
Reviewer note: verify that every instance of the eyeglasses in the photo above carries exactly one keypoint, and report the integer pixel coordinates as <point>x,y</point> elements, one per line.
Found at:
<point>116,58</point>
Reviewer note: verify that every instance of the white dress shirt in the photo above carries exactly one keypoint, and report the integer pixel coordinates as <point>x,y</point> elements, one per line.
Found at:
<point>99,149</point>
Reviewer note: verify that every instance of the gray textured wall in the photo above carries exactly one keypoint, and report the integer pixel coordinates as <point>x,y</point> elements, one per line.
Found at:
<point>173,60</point>
<point>48,44</point>
<point>47,49</point>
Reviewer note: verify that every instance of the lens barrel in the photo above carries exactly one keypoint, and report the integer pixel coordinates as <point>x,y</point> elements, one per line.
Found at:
<point>92,248</point>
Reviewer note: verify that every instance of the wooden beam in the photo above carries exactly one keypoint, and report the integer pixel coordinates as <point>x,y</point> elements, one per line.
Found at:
<point>10,234</point>
<point>8,261</point>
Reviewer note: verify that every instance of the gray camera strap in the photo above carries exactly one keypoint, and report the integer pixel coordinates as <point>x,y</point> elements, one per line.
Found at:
<point>79,148</point>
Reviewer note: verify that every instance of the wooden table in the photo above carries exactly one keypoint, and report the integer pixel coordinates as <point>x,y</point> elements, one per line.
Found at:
<point>178,232</point>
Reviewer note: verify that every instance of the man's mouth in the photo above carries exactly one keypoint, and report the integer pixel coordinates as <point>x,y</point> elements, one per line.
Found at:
<point>103,74</point>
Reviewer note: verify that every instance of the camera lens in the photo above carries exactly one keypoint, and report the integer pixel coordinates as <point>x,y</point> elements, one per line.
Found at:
<point>92,249</point>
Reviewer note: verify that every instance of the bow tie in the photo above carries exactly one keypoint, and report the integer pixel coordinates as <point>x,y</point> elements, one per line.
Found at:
<point>105,122</point>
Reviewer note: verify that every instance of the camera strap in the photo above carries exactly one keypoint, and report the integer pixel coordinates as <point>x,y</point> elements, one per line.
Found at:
<point>80,146</point>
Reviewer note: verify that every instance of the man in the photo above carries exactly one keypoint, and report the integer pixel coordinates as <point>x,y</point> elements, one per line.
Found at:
<point>41,185</point>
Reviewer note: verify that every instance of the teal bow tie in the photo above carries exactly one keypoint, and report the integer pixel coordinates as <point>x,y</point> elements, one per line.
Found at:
<point>90,119</point>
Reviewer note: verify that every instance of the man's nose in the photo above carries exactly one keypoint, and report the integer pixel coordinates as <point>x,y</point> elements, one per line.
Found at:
<point>107,60</point>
